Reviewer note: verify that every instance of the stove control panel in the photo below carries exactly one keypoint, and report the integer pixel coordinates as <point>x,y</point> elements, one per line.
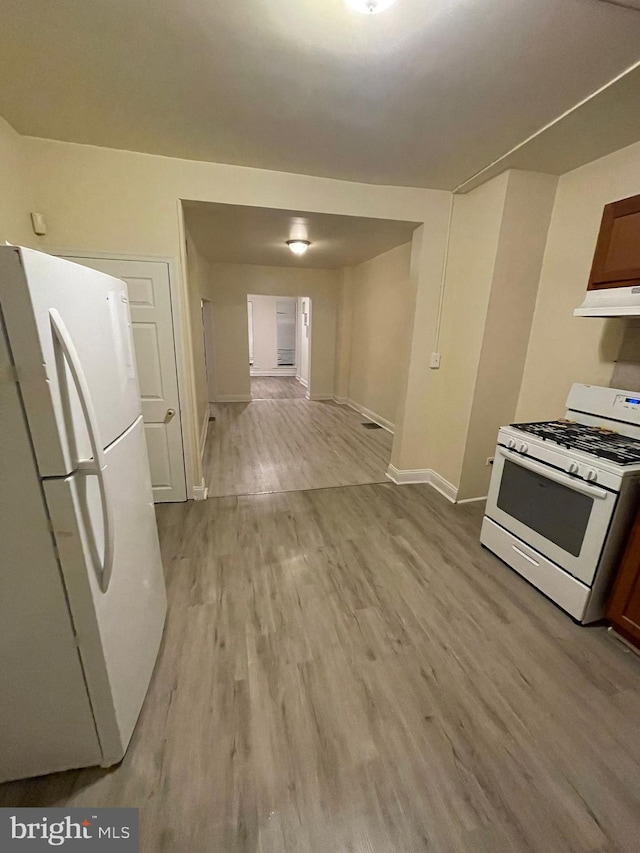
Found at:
<point>547,452</point>
<point>627,404</point>
<point>582,471</point>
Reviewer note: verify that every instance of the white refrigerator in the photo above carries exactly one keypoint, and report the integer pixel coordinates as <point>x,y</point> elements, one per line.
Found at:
<point>82,596</point>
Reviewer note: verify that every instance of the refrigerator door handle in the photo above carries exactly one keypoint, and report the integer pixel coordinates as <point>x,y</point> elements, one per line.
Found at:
<point>98,464</point>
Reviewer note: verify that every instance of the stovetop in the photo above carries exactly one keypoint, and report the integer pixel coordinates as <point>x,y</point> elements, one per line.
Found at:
<point>597,441</point>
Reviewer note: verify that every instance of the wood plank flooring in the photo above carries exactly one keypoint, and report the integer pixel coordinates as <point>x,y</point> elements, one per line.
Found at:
<point>284,445</point>
<point>276,388</point>
<point>348,670</point>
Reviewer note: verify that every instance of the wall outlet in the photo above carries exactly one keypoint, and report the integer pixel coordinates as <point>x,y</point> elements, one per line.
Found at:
<point>489,460</point>
<point>434,361</point>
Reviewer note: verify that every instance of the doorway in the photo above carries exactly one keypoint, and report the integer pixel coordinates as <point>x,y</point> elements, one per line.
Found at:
<point>276,344</point>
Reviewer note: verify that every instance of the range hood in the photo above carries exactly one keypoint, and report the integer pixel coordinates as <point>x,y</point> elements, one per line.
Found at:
<point>611,302</point>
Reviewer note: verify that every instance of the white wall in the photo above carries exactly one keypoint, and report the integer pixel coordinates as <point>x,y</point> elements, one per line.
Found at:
<point>562,348</point>
<point>265,335</point>
<point>304,338</point>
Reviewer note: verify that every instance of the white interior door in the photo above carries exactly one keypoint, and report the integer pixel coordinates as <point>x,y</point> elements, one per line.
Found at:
<point>152,323</point>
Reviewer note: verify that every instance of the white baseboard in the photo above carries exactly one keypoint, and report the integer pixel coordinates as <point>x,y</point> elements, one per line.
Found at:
<point>234,398</point>
<point>444,487</point>
<point>368,413</point>
<point>407,477</point>
<point>199,493</point>
<point>302,381</point>
<point>276,371</point>
<point>471,500</point>
<point>423,475</point>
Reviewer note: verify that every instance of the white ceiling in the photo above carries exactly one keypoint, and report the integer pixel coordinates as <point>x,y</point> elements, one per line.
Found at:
<point>236,234</point>
<point>426,93</point>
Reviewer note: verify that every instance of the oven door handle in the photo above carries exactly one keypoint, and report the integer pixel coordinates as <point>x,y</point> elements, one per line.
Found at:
<point>556,476</point>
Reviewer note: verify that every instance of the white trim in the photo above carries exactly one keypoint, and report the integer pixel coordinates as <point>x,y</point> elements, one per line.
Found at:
<point>318,397</point>
<point>204,430</point>
<point>233,398</point>
<point>186,365</point>
<point>471,500</point>
<point>443,486</point>
<point>368,413</point>
<point>423,475</point>
<point>276,371</point>
<point>302,381</point>
<point>407,477</point>
<point>199,493</point>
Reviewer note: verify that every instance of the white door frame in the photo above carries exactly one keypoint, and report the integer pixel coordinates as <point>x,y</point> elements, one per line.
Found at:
<point>196,488</point>
<point>207,327</point>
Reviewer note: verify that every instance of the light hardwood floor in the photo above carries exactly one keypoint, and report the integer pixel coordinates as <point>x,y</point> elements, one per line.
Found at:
<point>276,388</point>
<point>348,670</point>
<point>283,445</point>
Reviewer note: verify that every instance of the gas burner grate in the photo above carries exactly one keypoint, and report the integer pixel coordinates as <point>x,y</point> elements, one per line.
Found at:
<point>597,441</point>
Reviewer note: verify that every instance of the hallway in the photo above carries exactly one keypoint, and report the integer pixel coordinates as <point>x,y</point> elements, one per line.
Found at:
<point>280,444</point>
<point>276,388</point>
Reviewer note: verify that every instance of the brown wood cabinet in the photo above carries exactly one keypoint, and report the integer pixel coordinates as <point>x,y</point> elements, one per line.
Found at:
<point>624,606</point>
<point>616,262</point>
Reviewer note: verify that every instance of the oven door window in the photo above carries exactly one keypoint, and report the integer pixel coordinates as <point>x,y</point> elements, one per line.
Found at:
<point>554,511</point>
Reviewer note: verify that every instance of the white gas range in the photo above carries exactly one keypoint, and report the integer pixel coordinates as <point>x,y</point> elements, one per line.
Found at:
<point>563,494</point>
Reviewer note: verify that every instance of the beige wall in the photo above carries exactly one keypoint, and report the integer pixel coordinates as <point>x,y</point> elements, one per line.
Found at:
<point>100,199</point>
<point>116,201</point>
<point>15,190</point>
<point>415,415</point>
<point>564,349</point>
<point>197,280</point>
<point>229,286</point>
<point>380,306</point>
<point>475,230</point>
<point>516,273</point>
<point>343,334</point>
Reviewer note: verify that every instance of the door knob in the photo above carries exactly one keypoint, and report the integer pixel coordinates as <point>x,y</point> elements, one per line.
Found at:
<point>169,415</point>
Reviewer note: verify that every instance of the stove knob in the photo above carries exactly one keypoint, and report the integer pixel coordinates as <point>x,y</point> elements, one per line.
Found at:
<point>573,468</point>
<point>511,444</point>
<point>591,475</point>
<point>524,447</point>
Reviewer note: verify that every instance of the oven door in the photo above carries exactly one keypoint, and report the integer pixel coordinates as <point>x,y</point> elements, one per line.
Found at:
<point>564,518</point>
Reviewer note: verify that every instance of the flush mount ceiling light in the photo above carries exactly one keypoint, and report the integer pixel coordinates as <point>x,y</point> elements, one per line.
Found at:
<point>298,247</point>
<point>370,7</point>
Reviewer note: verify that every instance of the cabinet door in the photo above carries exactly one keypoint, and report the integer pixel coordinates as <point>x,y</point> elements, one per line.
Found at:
<point>616,262</point>
<point>624,607</point>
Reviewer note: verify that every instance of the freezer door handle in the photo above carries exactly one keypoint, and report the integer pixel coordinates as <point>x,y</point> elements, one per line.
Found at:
<point>97,465</point>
